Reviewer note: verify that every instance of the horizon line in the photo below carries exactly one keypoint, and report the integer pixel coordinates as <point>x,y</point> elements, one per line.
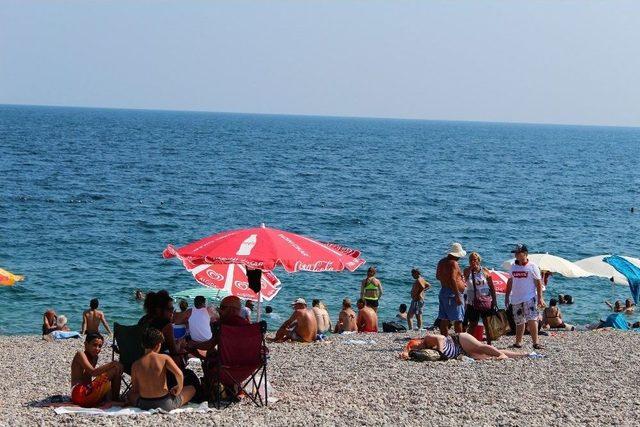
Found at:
<point>169,110</point>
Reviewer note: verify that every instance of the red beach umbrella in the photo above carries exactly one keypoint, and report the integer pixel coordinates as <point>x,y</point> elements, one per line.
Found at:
<point>231,278</point>
<point>500,279</point>
<point>264,248</point>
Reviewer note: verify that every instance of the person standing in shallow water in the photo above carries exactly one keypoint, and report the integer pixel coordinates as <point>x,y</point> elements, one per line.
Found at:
<point>371,289</point>
<point>451,304</point>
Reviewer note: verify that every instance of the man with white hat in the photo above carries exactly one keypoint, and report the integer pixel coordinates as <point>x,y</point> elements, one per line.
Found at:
<point>451,303</point>
<point>301,326</point>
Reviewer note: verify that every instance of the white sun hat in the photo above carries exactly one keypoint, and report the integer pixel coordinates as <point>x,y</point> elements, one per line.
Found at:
<point>457,251</point>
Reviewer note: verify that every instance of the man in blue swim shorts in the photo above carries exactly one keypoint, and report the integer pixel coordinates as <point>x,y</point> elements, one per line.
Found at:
<point>453,285</point>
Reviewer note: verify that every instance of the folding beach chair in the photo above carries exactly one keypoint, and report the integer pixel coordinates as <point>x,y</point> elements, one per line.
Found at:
<point>127,343</point>
<point>240,364</point>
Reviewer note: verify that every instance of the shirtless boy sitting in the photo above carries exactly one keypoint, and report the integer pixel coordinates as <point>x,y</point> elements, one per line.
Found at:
<point>92,318</point>
<point>149,377</point>
<point>90,385</point>
<point>301,326</point>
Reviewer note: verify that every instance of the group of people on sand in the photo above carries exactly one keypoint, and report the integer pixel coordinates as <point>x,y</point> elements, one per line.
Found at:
<point>308,325</point>
<point>470,295</point>
<point>92,318</point>
<point>466,297</point>
<point>160,378</point>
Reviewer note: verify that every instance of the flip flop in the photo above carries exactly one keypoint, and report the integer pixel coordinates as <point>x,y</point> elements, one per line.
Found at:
<point>538,347</point>
<point>516,346</point>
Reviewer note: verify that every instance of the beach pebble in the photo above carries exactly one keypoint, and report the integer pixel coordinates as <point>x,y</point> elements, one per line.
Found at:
<point>587,378</point>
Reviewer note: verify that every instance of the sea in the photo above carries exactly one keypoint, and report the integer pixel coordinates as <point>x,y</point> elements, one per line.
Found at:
<point>89,198</point>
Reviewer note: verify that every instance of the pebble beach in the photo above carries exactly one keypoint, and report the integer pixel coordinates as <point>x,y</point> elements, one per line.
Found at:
<point>587,378</point>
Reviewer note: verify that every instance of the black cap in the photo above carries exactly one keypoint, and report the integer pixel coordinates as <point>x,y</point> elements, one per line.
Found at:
<point>520,248</point>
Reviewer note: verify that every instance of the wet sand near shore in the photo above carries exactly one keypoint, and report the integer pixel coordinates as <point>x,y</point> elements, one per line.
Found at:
<point>588,378</point>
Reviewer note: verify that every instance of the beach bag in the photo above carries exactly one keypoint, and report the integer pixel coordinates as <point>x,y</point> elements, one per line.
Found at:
<point>496,325</point>
<point>393,327</point>
<point>425,355</point>
<point>480,302</point>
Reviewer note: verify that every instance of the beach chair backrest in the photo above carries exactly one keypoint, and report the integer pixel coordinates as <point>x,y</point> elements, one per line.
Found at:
<point>242,345</point>
<point>129,342</point>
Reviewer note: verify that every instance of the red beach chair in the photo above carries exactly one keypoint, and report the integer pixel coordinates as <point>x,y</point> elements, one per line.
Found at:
<point>241,362</point>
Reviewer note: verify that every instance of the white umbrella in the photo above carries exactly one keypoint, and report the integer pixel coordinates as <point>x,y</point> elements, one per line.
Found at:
<point>597,267</point>
<point>554,264</point>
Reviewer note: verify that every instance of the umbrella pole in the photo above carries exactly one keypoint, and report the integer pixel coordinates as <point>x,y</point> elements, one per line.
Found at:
<point>259,306</point>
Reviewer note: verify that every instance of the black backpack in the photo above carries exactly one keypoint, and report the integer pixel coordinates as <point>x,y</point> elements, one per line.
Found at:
<point>393,326</point>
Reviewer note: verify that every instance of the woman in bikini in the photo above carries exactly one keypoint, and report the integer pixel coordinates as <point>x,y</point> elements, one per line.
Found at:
<point>452,346</point>
<point>552,315</point>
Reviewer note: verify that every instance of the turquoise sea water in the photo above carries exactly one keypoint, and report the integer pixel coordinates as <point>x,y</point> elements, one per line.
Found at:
<point>89,198</point>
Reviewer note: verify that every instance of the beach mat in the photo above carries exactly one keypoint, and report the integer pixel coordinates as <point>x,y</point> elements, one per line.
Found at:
<point>123,411</point>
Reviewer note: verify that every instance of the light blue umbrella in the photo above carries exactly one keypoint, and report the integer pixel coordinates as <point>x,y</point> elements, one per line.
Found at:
<point>211,294</point>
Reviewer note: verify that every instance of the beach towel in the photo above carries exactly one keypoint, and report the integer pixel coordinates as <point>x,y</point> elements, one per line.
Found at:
<point>120,411</point>
<point>64,335</point>
<point>616,321</point>
<point>629,271</point>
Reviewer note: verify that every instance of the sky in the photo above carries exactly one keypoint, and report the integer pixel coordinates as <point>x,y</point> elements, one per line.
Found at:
<point>560,61</point>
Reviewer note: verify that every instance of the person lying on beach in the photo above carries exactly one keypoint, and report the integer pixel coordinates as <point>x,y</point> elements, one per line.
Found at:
<point>454,345</point>
<point>367,319</point>
<point>92,318</point>
<point>301,326</point>
<point>49,322</point>
<point>149,377</point>
<point>322,316</point>
<point>91,384</point>
<point>346,319</point>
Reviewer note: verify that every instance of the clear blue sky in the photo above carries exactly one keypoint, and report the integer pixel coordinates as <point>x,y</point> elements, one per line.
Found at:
<point>554,61</point>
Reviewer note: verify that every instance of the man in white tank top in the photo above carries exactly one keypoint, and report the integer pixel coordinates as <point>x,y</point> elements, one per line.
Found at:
<point>200,321</point>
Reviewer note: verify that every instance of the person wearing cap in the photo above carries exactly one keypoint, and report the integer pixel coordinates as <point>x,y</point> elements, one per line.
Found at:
<point>451,304</point>
<point>524,294</point>
<point>301,326</point>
